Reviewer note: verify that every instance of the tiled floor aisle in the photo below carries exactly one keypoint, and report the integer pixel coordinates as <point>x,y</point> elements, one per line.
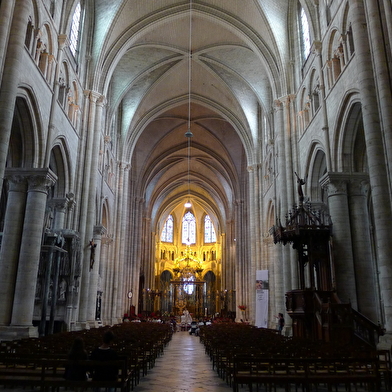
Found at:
<point>184,367</point>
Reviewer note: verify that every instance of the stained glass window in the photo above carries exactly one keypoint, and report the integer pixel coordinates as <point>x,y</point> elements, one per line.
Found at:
<point>75,30</point>
<point>188,229</point>
<point>209,231</point>
<point>168,229</point>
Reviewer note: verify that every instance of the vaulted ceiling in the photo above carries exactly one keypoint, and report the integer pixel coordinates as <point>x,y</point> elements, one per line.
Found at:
<point>216,64</point>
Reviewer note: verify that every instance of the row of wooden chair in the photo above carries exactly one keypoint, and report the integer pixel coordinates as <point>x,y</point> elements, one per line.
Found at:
<point>246,354</point>
<point>138,343</point>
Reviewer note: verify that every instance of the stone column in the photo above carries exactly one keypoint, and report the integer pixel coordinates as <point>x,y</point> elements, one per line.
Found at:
<point>336,187</point>
<point>124,287</point>
<point>6,14</point>
<point>254,235</point>
<point>119,295</point>
<point>281,255</point>
<point>136,246</point>
<point>60,207</point>
<point>91,219</point>
<point>39,181</point>
<point>106,272</point>
<point>362,248</point>
<point>318,51</point>
<point>62,40</point>
<point>378,173</point>
<point>87,208</point>
<point>242,257</point>
<point>94,274</point>
<point>388,18</point>
<point>13,68</point>
<point>9,253</point>
<point>378,47</point>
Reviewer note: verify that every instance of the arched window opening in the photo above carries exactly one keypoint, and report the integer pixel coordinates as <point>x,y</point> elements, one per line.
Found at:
<point>305,33</point>
<point>209,231</point>
<point>168,229</point>
<point>189,286</point>
<point>75,30</point>
<point>188,229</point>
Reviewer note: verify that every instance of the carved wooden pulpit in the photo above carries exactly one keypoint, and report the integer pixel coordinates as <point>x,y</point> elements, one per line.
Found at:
<point>315,309</point>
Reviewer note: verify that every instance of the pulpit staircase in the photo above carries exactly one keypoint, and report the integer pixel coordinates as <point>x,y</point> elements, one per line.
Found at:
<point>321,316</point>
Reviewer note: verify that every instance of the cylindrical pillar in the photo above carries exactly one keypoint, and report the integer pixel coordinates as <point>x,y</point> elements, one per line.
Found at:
<point>378,173</point>
<point>6,14</point>
<point>9,252</point>
<point>362,249</point>
<point>336,186</point>
<point>282,255</point>
<point>39,182</point>
<point>94,274</point>
<point>13,68</point>
<point>87,221</point>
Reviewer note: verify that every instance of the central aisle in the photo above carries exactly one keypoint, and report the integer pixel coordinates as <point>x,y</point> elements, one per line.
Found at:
<point>183,367</point>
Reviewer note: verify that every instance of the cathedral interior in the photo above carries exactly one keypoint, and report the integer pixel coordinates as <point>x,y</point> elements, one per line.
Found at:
<point>224,158</point>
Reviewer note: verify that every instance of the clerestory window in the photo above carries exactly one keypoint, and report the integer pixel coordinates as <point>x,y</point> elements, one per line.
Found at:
<point>305,34</point>
<point>168,230</point>
<point>209,230</point>
<point>74,34</point>
<point>189,229</point>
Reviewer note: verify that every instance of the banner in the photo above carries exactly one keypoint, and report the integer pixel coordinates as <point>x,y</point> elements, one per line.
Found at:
<point>262,289</point>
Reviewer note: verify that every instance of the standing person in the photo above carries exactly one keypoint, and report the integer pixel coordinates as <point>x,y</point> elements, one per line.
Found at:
<point>73,370</point>
<point>280,322</point>
<point>105,353</point>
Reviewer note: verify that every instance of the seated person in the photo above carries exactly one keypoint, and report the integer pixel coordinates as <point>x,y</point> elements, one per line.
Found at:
<point>74,371</point>
<point>105,353</point>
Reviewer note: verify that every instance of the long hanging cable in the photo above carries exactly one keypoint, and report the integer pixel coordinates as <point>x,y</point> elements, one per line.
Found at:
<point>189,133</point>
<point>190,68</point>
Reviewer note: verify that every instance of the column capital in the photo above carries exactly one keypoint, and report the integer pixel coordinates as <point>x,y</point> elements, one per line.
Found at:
<point>94,96</point>
<point>278,105</point>
<point>317,46</point>
<point>123,165</point>
<point>107,239</point>
<point>61,204</point>
<point>359,184</point>
<point>16,182</point>
<point>254,167</point>
<point>62,40</point>
<point>39,179</point>
<point>99,230</point>
<point>335,183</point>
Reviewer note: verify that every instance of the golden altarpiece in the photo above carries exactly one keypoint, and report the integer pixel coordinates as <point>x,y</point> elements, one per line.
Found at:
<point>188,274</point>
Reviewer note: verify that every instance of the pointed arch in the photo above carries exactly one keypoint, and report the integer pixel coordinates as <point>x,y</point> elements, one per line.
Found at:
<point>60,165</point>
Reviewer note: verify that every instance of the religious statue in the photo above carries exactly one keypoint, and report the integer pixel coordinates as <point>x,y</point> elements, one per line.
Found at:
<point>62,289</point>
<point>300,182</point>
<point>93,245</point>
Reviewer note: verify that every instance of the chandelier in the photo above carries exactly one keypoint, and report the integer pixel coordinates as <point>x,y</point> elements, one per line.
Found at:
<point>187,267</point>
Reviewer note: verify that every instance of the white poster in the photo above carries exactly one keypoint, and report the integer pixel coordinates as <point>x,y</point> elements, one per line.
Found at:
<point>262,287</point>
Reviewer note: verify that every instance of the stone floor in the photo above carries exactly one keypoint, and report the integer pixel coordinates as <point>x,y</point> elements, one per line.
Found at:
<point>184,367</point>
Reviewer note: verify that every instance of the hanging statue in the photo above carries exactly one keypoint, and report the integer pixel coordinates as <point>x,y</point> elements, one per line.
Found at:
<point>300,182</point>
<point>93,245</point>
